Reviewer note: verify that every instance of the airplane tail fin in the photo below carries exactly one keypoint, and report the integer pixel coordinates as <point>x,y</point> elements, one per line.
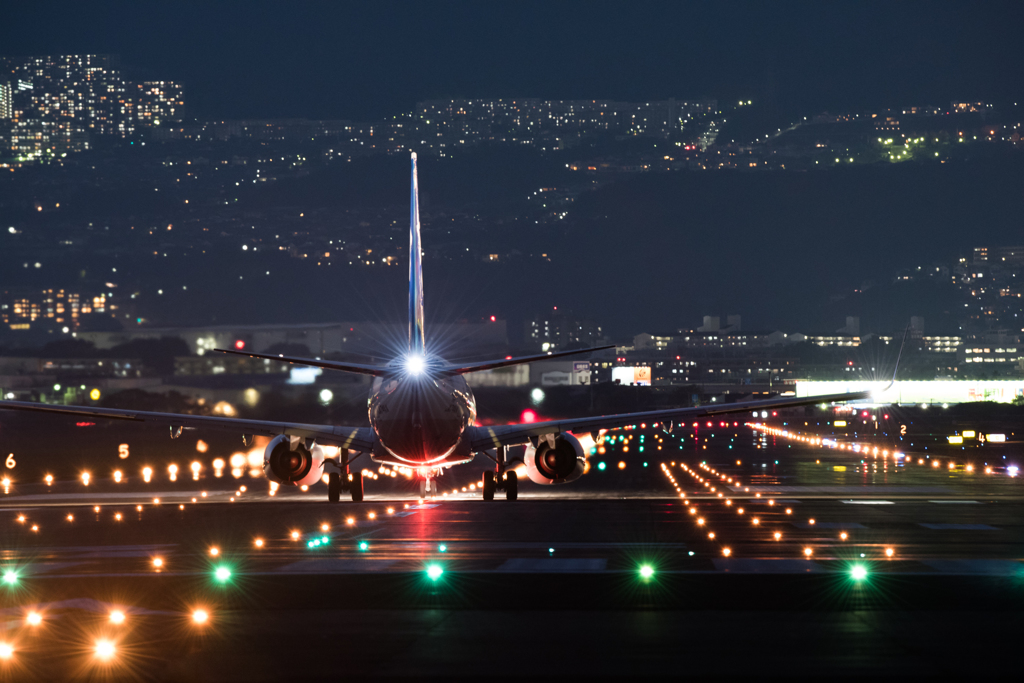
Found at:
<point>416,333</point>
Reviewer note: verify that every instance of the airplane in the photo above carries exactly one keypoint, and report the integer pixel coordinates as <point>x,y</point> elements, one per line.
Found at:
<point>422,416</point>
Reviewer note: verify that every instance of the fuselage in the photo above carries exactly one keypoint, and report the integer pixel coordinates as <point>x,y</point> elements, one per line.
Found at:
<point>420,419</point>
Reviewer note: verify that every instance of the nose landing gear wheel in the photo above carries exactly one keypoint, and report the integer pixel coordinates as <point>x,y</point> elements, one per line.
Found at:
<point>488,485</point>
<point>333,487</point>
<point>511,485</point>
<point>428,488</point>
<point>356,487</point>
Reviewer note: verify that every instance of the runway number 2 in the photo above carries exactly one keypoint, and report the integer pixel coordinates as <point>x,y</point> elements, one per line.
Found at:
<point>122,451</point>
<point>10,462</point>
<point>903,430</point>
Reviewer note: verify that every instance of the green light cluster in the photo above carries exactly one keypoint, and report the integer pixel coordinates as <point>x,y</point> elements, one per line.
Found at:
<point>317,542</point>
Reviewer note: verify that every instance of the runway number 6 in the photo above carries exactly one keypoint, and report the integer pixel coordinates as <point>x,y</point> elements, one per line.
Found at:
<point>10,462</point>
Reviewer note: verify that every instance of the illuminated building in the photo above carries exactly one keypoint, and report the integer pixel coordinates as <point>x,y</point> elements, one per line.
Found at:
<point>157,101</point>
<point>6,105</point>
<point>55,102</point>
<point>20,310</point>
<point>991,290</point>
<point>560,330</point>
<point>970,107</point>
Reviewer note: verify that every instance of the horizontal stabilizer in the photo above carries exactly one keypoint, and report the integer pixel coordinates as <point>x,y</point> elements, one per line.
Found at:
<point>506,362</point>
<point>375,370</point>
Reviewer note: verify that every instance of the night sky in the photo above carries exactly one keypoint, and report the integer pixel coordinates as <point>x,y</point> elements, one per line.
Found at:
<point>367,60</point>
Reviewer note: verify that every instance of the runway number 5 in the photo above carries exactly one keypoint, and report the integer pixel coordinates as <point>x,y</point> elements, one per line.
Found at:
<point>122,451</point>
<point>10,462</point>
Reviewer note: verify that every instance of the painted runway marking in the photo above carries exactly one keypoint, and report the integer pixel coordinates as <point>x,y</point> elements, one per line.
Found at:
<point>989,567</point>
<point>955,502</point>
<point>128,498</point>
<point>884,490</point>
<point>740,565</point>
<point>828,525</point>
<point>867,502</point>
<point>554,565</point>
<point>960,527</point>
<point>335,565</point>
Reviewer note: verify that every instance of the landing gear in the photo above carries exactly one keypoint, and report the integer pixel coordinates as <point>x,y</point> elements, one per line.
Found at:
<point>511,485</point>
<point>333,487</point>
<point>428,488</point>
<point>500,480</point>
<point>340,480</point>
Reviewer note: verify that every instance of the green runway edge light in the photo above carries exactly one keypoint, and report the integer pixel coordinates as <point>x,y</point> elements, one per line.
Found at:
<point>222,574</point>
<point>10,577</point>
<point>858,572</point>
<point>363,546</point>
<point>434,571</point>
<point>442,548</point>
<point>646,572</point>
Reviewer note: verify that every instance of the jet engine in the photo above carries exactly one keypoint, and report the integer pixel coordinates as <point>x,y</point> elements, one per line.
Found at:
<point>292,463</point>
<point>558,464</point>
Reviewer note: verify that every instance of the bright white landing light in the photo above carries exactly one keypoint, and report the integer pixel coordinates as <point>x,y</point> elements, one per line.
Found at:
<point>415,365</point>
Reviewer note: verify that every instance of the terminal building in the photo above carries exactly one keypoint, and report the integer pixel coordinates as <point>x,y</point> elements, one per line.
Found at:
<point>925,392</point>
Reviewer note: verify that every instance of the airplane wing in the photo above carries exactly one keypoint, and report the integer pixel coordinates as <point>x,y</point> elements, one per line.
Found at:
<point>354,438</point>
<point>360,368</point>
<point>506,362</point>
<point>483,438</point>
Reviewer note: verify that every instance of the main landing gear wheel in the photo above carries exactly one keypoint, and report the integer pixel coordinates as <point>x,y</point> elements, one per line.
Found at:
<point>489,485</point>
<point>356,487</point>
<point>511,485</point>
<point>333,487</point>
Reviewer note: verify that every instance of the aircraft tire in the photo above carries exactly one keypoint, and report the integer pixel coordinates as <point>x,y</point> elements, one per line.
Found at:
<point>488,485</point>
<point>511,485</point>
<point>356,487</point>
<point>333,487</point>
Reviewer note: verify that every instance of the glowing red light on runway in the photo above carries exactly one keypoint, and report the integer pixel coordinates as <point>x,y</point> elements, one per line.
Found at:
<point>528,416</point>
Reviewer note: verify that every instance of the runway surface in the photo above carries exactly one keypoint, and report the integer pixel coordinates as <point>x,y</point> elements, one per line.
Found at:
<point>748,552</point>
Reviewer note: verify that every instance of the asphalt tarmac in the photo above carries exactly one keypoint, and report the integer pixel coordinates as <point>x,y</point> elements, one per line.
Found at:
<point>724,551</point>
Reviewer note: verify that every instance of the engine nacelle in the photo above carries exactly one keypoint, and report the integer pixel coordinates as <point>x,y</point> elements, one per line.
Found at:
<point>298,466</point>
<point>563,463</point>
